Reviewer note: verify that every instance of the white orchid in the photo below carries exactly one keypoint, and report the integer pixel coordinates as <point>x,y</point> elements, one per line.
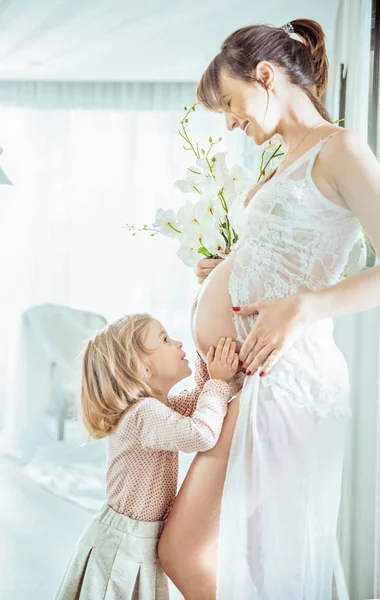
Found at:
<point>193,180</point>
<point>209,208</point>
<point>188,220</point>
<point>242,179</point>
<point>214,241</point>
<point>188,251</point>
<point>167,224</point>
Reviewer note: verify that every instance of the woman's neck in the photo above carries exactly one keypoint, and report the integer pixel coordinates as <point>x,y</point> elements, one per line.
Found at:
<point>299,116</point>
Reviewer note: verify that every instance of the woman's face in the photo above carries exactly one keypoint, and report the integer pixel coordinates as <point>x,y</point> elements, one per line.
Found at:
<point>251,106</point>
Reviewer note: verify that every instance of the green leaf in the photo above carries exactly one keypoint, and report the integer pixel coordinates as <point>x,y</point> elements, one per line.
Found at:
<point>203,151</point>
<point>220,139</point>
<point>185,108</point>
<point>210,140</point>
<point>204,251</point>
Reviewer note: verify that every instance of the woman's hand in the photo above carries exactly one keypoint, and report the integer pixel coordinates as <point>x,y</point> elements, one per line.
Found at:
<point>275,329</point>
<point>206,265</point>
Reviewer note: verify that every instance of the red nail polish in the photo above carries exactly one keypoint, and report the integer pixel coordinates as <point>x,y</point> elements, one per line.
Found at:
<point>262,374</point>
<point>236,308</point>
<point>248,373</point>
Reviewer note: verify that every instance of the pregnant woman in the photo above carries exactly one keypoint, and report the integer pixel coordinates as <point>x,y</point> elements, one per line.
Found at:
<point>256,516</point>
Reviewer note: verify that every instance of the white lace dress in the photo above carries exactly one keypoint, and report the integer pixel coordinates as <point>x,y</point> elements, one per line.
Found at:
<point>282,491</point>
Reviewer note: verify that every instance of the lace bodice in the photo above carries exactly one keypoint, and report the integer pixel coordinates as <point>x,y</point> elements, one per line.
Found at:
<point>291,238</point>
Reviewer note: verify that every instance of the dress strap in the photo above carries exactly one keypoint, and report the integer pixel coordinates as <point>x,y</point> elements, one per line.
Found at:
<point>316,150</point>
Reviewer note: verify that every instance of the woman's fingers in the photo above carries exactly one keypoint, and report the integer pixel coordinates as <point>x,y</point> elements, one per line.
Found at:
<point>270,362</point>
<point>259,360</point>
<point>248,345</point>
<point>206,265</point>
<point>253,353</point>
<point>247,309</point>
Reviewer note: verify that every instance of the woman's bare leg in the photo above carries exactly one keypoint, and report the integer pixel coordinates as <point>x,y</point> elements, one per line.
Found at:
<point>188,545</point>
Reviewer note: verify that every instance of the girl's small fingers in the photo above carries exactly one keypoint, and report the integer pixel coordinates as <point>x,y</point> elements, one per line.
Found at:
<point>235,362</point>
<point>226,349</point>
<point>210,354</point>
<point>219,349</point>
<point>232,352</point>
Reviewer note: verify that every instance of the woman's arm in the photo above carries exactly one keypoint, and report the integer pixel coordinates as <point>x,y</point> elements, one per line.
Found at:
<point>355,174</point>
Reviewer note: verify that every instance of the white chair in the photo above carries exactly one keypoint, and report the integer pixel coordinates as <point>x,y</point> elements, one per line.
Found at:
<point>58,335</point>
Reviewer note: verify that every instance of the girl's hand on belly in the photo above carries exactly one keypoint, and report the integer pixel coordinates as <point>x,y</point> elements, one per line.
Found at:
<point>223,362</point>
<point>275,329</point>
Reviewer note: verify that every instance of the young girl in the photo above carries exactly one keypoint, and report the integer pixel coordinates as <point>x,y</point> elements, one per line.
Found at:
<point>128,371</point>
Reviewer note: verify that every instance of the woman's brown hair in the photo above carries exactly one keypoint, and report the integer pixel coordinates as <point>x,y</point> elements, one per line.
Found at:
<point>304,60</point>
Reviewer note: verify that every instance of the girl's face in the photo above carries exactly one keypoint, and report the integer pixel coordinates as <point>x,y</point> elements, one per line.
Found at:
<point>168,361</point>
<point>250,106</point>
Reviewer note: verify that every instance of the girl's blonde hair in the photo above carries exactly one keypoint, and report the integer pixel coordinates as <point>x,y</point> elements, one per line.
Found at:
<point>114,373</point>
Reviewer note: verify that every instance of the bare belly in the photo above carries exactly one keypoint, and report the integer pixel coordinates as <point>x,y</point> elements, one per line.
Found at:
<point>212,316</point>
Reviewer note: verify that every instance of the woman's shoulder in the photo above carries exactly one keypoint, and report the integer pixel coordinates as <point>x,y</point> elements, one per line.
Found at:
<point>345,149</point>
<point>342,142</point>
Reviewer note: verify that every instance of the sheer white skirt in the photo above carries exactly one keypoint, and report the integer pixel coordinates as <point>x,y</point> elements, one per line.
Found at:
<point>282,491</point>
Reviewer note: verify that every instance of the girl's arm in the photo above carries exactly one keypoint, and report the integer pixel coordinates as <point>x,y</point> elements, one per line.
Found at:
<point>162,428</point>
<point>186,402</point>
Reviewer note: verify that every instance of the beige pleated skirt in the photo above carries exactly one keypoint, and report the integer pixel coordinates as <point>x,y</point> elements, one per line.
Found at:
<point>116,559</point>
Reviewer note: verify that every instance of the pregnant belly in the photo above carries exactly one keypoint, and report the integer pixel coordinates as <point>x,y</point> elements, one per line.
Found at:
<point>212,316</point>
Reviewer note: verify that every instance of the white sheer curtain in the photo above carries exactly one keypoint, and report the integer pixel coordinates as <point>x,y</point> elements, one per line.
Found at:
<point>359,338</point>
<point>85,159</point>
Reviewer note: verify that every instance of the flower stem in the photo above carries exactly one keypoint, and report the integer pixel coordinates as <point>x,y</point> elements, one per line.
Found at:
<point>174,229</point>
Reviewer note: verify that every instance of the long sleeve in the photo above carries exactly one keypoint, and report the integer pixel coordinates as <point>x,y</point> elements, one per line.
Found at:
<point>162,428</point>
<point>186,402</point>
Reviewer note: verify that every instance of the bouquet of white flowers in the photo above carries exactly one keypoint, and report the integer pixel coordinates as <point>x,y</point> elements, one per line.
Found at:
<point>201,225</point>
